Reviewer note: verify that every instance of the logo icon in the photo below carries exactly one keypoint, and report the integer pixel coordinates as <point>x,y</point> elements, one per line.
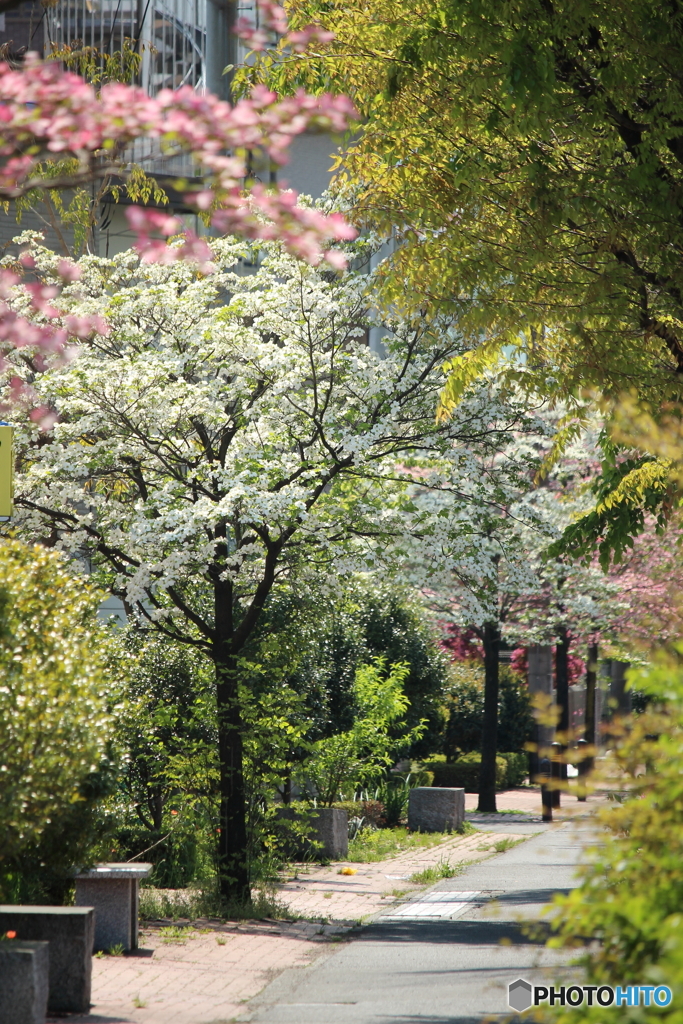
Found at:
<point>519,995</point>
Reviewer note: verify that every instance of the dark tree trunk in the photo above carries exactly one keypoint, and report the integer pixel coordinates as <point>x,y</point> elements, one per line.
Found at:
<point>562,678</point>
<point>233,866</point>
<point>233,869</point>
<point>489,736</point>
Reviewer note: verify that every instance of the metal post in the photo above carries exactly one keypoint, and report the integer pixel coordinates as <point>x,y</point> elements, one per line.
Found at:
<point>556,771</point>
<point>583,767</point>
<point>546,792</point>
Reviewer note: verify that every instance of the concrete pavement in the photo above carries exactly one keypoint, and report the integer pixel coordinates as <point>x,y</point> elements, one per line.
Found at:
<point>418,969</point>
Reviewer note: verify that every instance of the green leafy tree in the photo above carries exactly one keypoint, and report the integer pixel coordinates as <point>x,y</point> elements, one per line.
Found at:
<point>555,132</point>
<point>168,777</point>
<point>465,711</point>
<point>630,894</point>
<point>362,753</point>
<point>54,727</point>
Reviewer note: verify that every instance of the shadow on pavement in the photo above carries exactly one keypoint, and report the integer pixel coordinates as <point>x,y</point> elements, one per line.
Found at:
<point>466,933</point>
<point>529,896</point>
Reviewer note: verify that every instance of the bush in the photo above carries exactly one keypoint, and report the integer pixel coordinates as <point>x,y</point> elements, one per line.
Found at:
<point>372,811</point>
<point>166,725</point>
<point>630,897</point>
<point>464,773</point>
<point>54,729</point>
<point>517,767</point>
<point>465,710</point>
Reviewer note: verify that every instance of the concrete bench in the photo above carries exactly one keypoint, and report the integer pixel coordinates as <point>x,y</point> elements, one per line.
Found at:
<point>69,932</point>
<point>113,890</point>
<point>435,809</point>
<point>24,970</point>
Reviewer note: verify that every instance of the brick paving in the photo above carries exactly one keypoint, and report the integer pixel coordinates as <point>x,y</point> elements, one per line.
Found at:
<point>208,976</point>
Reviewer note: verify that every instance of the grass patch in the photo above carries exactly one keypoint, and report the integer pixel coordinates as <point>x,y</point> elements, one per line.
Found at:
<point>369,847</point>
<point>434,874</point>
<point>189,904</point>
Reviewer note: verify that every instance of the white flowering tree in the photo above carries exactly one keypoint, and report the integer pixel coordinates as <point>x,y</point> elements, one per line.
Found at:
<point>496,576</point>
<point>229,435</point>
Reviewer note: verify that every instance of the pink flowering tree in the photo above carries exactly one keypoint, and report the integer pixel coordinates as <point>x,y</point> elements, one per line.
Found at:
<point>58,132</point>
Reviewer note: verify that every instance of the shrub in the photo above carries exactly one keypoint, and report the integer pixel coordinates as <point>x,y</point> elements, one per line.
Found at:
<point>54,729</point>
<point>630,897</point>
<point>517,767</point>
<point>465,710</point>
<point>465,772</point>
<point>372,811</point>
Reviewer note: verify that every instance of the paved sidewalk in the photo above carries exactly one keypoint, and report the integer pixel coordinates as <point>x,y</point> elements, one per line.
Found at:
<point>207,976</point>
<point>422,966</point>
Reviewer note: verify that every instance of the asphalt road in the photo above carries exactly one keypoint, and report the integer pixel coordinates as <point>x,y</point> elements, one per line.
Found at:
<point>405,968</point>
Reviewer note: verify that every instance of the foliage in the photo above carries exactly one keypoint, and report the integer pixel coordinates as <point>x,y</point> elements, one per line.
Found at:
<point>168,778</point>
<point>434,874</point>
<point>630,895</point>
<point>464,772</point>
<point>233,437</point>
<point>191,904</point>
<point>517,767</point>
<point>323,642</point>
<point>465,708</point>
<point>362,754</point>
<point>554,131</point>
<point>369,846</point>
<point>54,728</point>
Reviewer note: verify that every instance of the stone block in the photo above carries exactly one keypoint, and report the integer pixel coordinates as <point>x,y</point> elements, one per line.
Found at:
<point>24,973</point>
<point>70,932</point>
<point>432,809</point>
<point>329,828</point>
<point>113,890</point>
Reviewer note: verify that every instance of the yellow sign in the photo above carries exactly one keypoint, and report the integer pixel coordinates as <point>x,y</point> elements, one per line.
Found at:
<point>6,472</point>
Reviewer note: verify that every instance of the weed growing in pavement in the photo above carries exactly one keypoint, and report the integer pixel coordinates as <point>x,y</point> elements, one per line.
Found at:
<point>506,844</point>
<point>139,1004</point>
<point>434,874</point>
<point>116,950</point>
<point>221,942</point>
<point>175,934</point>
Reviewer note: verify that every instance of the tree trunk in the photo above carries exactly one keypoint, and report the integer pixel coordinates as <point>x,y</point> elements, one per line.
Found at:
<point>489,737</point>
<point>233,869</point>
<point>562,678</point>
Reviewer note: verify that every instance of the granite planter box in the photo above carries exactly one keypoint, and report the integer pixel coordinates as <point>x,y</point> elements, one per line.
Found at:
<point>24,971</point>
<point>329,831</point>
<point>69,932</point>
<point>432,809</point>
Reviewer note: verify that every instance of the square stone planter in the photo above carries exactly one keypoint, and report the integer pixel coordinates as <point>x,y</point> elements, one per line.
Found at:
<point>435,809</point>
<point>70,932</point>
<point>24,973</point>
<point>330,831</point>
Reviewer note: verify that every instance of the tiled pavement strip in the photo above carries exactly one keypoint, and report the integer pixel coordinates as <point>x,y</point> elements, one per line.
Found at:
<point>207,978</point>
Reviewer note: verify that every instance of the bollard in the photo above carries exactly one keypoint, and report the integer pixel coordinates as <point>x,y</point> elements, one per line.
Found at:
<point>556,771</point>
<point>584,767</point>
<point>546,792</point>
